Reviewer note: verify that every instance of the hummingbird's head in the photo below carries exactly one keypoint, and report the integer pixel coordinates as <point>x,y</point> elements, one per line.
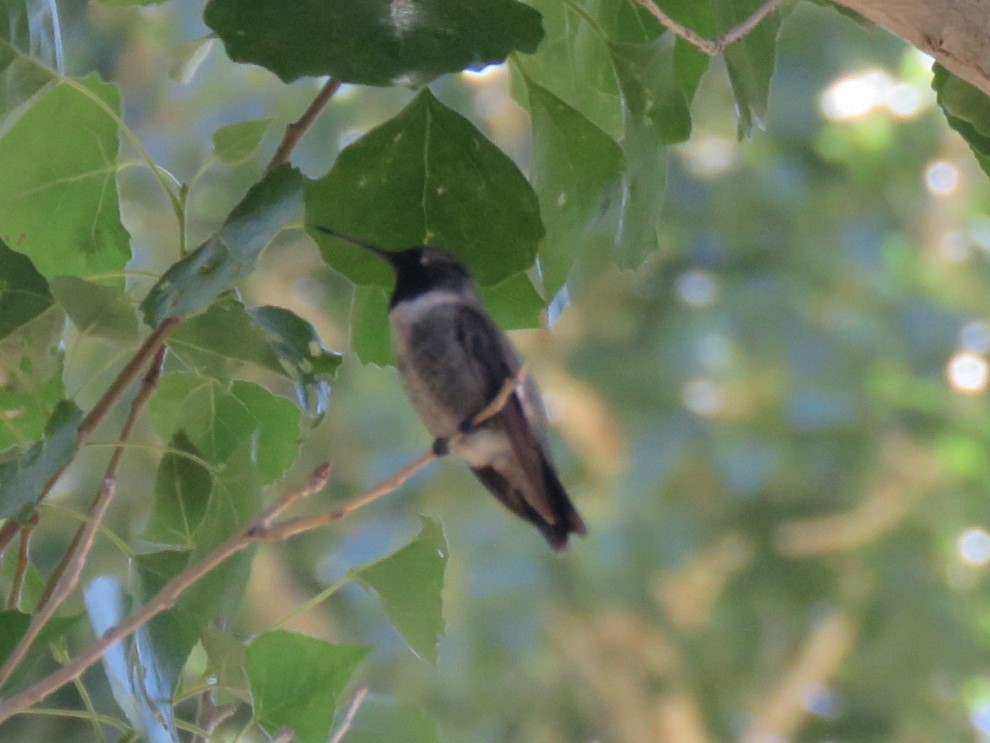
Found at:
<point>419,269</point>
<point>422,269</point>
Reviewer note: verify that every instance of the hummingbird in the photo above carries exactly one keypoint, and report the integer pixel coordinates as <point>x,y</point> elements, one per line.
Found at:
<point>454,361</point>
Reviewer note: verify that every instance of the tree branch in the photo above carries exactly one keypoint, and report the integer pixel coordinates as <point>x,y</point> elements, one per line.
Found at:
<point>715,46</point>
<point>295,131</point>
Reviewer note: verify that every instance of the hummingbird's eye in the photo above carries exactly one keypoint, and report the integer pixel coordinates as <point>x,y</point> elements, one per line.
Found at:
<point>424,260</point>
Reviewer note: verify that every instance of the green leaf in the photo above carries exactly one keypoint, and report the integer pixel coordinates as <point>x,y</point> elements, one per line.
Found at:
<point>643,186</point>
<point>59,154</point>
<point>430,177</point>
<point>967,109</point>
<point>235,143</point>
<point>514,303</point>
<point>373,42</point>
<point>295,681</point>
<point>382,720</point>
<point>221,340</point>
<point>230,254</point>
<point>576,168</point>
<point>299,348</point>
<point>225,654</point>
<point>573,63</point>
<point>30,378</point>
<point>409,583</point>
<point>182,492</point>
<point>370,334</point>
<point>751,60</point>
<point>651,89</point>
<point>24,292</point>
<point>96,310</point>
<point>23,478</point>
<point>13,625</point>
<point>220,419</point>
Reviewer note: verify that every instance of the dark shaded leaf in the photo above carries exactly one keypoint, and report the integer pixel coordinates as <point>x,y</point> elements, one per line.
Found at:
<point>182,492</point>
<point>27,51</point>
<point>751,60</point>
<point>967,109</point>
<point>373,42</point>
<point>23,478</point>
<point>427,176</point>
<point>231,254</point>
<point>295,681</point>
<point>409,583</point>
<point>24,292</point>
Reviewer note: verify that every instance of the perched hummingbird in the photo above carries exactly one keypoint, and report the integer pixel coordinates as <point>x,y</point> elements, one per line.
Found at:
<point>454,360</point>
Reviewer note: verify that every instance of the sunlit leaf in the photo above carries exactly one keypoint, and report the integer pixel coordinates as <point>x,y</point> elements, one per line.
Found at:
<point>295,681</point>
<point>103,311</point>
<point>235,143</point>
<point>374,42</point>
<point>23,478</point>
<point>427,176</point>
<point>231,254</point>
<point>410,583</point>
<point>59,154</point>
<point>576,169</point>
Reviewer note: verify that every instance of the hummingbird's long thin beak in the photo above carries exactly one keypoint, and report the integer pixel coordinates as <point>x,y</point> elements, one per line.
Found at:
<point>381,252</point>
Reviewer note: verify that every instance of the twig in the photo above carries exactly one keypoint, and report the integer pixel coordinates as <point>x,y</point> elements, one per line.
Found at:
<point>285,736</point>
<point>22,562</point>
<point>295,131</point>
<point>352,711</point>
<point>65,577</point>
<point>210,715</point>
<point>7,532</point>
<point>498,402</point>
<point>715,46</point>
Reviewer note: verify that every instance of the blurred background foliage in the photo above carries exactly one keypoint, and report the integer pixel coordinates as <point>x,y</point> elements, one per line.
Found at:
<point>775,427</point>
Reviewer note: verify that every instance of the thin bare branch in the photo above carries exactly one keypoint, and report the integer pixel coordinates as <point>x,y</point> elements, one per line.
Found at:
<point>352,711</point>
<point>295,131</point>
<point>210,715</point>
<point>7,532</point>
<point>715,46</point>
<point>23,555</point>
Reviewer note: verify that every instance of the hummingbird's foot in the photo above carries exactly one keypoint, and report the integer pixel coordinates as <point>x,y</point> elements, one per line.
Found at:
<point>441,446</point>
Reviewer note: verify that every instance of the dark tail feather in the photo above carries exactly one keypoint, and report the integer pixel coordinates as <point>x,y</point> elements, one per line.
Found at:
<point>567,518</point>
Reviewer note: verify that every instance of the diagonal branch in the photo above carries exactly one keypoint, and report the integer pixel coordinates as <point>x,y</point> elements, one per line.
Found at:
<point>715,46</point>
<point>295,131</point>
